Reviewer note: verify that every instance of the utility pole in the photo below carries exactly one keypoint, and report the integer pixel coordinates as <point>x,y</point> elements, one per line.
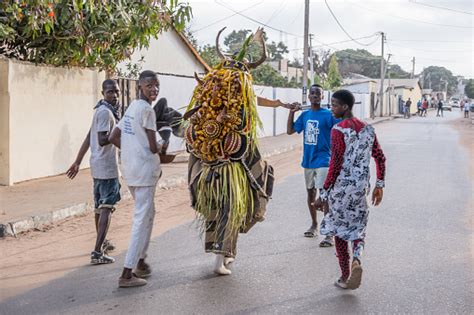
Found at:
<point>382,75</point>
<point>412,75</point>
<point>305,51</point>
<point>311,58</point>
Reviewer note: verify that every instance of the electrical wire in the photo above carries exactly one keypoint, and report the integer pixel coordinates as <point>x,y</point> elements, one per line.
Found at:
<point>441,8</point>
<point>405,18</point>
<point>344,41</point>
<point>342,27</point>
<point>228,17</point>
<point>433,50</point>
<point>256,21</point>
<point>283,4</point>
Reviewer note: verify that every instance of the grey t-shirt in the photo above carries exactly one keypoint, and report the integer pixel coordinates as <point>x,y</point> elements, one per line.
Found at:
<point>103,158</point>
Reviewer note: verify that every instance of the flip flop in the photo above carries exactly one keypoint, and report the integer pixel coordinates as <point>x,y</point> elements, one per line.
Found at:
<point>326,242</point>
<point>311,232</point>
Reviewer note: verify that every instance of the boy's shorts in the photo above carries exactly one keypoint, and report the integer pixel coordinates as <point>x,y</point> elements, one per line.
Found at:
<point>106,193</point>
<point>315,177</point>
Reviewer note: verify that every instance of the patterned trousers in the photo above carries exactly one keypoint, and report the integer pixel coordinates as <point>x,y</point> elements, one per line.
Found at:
<point>342,252</point>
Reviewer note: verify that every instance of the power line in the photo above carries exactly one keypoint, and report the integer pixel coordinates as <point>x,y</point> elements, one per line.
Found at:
<point>342,27</point>
<point>407,19</point>
<point>297,15</point>
<point>256,21</point>
<point>277,11</point>
<point>441,8</point>
<point>430,41</point>
<point>433,50</point>
<point>343,41</point>
<point>227,17</point>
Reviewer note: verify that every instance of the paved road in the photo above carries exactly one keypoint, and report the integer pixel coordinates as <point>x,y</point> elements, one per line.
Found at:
<point>418,255</point>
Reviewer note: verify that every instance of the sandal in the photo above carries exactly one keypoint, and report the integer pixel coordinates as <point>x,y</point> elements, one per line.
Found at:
<point>311,232</point>
<point>326,242</point>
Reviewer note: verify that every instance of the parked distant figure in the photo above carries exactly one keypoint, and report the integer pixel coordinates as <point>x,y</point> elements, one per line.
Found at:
<point>467,106</point>
<point>424,107</point>
<point>440,109</point>
<point>407,109</point>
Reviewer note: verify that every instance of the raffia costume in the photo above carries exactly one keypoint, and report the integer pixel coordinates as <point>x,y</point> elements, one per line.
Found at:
<point>229,182</point>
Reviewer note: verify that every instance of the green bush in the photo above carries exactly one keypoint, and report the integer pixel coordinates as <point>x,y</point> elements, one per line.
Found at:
<point>86,33</point>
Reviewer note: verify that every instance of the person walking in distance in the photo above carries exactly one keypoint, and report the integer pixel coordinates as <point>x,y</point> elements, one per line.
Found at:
<point>316,123</point>
<point>407,108</point>
<point>467,106</point>
<point>424,107</point>
<point>345,190</point>
<point>135,135</point>
<point>103,162</point>
<point>440,108</point>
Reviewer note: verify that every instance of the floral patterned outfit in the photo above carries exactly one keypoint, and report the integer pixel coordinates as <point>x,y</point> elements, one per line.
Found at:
<point>347,186</point>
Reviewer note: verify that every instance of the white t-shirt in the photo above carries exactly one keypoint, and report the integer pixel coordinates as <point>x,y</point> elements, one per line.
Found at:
<point>103,159</point>
<point>467,106</point>
<point>139,166</point>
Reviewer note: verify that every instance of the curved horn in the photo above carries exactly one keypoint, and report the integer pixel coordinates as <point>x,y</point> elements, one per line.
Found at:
<point>198,78</point>
<point>219,52</point>
<point>253,65</point>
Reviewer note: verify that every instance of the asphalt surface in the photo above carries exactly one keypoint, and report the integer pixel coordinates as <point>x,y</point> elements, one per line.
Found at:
<point>418,256</point>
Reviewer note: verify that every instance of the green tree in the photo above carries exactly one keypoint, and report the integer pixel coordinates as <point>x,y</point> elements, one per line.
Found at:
<point>438,77</point>
<point>334,79</point>
<point>276,51</point>
<point>266,75</point>
<point>98,33</point>
<point>469,88</point>
<point>209,54</point>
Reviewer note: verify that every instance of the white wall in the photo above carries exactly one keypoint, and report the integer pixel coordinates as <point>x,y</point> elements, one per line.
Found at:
<point>49,113</point>
<point>167,54</point>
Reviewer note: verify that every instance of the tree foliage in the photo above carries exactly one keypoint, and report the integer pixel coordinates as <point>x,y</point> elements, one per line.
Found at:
<point>469,89</point>
<point>94,33</point>
<point>438,77</point>
<point>266,75</point>
<point>334,79</point>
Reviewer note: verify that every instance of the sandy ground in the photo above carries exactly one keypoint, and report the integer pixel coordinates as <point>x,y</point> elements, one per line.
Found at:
<point>37,257</point>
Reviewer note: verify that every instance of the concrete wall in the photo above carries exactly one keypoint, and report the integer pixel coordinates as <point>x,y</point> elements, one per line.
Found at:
<point>4,125</point>
<point>168,54</point>
<point>49,113</point>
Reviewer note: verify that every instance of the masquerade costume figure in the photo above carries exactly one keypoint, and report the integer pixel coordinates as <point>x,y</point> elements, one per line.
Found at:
<point>229,182</point>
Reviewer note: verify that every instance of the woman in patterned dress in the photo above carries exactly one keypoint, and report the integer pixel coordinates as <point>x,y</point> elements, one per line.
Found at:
<point>347,186</point>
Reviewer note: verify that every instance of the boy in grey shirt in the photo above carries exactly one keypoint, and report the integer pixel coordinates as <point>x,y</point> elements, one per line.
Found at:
<point>103,162</point>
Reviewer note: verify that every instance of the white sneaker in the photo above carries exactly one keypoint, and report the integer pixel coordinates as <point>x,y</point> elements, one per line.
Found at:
<point>340,283</point>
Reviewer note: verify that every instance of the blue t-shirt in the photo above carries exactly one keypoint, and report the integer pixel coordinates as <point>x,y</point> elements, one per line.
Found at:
<point>317,127</point>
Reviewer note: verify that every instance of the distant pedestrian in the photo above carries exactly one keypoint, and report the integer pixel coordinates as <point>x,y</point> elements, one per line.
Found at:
<point>347,184</point>
<point>135,135</point>
<point>407,109</point>
<point>419,110</point>
<point>440,109</point>
<point>467,106</point>
<point>424,107</point>
<point>104,170</point>
<point>461,105</point>
<point>316,124</point>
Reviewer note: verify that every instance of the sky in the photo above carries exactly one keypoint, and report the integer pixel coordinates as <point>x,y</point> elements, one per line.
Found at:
<point>439,33</point>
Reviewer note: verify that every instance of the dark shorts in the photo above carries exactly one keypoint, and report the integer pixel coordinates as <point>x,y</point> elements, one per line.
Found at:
<point>106,193</point>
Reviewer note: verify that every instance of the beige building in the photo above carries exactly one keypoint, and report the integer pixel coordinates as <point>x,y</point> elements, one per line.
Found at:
<point>395,90</point>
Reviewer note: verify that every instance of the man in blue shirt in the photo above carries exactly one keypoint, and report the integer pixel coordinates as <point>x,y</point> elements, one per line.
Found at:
<point>316,123</point>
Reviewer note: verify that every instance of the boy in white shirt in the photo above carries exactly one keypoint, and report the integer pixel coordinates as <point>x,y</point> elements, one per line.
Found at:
<point>135,135</point>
